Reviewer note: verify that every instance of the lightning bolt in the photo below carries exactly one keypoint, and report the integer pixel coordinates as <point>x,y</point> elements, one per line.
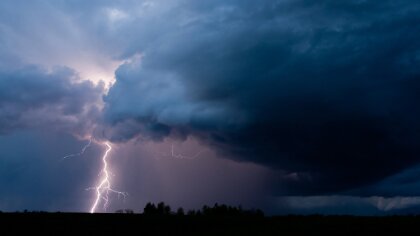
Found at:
<point>103,189</point>
<point>81,152</point>
<point>180,156</point>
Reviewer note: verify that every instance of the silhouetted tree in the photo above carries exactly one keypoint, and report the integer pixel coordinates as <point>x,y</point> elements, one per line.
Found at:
<point>180,212</point>
<point>167,210</point>
<point>150,209</point>
<point>216,211</point>
<point>162,209</point>
<point>191,213</point>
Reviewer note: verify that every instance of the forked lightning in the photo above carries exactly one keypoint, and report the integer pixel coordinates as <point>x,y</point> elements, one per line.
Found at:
<point>103,189</point>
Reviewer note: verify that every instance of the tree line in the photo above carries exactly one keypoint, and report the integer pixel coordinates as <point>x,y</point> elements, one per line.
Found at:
<point>161,209</point>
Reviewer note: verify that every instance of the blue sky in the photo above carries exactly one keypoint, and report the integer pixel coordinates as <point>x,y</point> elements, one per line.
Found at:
<point>291,106</point>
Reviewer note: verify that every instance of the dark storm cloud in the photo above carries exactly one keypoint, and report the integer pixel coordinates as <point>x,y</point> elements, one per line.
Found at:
<point>31,96</point>
<point>326,91</point>
<point>405,183</point>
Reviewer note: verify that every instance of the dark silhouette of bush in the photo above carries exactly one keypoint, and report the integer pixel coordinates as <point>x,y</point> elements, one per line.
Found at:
<point>229,211</point>
<point>128,211</point>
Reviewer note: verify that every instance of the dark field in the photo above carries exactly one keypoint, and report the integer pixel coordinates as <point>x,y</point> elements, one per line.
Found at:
<point>137,224</point>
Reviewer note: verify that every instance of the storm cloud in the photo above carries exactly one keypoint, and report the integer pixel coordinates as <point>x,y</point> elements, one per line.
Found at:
<point>324,91</point>
<point>32,97</point>
<point>287,98</point>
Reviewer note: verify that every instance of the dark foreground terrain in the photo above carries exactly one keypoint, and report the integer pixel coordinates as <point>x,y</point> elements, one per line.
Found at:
<point>137,224</point>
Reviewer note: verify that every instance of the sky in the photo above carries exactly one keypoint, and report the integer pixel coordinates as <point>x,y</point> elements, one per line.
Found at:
<point>289,106</point>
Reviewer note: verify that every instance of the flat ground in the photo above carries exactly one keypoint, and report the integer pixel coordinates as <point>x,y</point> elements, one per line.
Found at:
<point>136,224</point>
